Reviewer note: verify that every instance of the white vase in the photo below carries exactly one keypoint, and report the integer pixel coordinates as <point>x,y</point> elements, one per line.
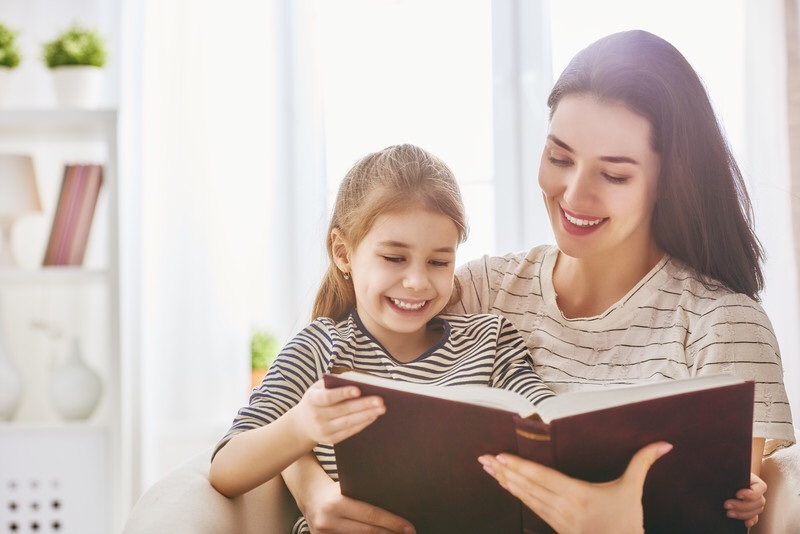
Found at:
<point>10,380</point>
<point>75,388</point>
<point>77,86</point>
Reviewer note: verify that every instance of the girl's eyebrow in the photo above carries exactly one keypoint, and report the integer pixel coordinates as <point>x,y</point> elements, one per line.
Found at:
<point>400,244</point>
<point>609,159</point>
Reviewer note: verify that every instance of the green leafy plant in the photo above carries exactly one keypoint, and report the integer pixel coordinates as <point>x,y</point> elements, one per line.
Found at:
<point>76,46</point>
<point>9,52</point>
<point>263,348</point>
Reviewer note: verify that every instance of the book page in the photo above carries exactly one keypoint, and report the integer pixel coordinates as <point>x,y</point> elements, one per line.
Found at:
<point>472,394</point>
<point>577,402</point>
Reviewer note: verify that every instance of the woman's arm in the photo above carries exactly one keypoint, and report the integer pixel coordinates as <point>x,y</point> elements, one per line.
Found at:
<point>322,416</point>
<point>327,511</point>
<point>572,506</point>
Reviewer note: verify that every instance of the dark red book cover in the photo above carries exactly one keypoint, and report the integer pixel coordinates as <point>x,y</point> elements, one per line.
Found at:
<point>419,459</point>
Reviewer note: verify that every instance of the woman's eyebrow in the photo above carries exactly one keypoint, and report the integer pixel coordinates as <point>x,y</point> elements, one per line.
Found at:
<point>609,159</point>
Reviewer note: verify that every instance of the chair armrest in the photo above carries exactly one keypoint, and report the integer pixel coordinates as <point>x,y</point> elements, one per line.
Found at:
<point>184,502</point>
<point>781,472</point>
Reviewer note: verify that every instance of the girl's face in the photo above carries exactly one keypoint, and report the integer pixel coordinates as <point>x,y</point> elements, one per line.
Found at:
<point>402,274</point>
<point>598,176</point>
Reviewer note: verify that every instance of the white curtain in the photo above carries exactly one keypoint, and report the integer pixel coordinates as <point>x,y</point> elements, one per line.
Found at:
<point>766,162</point>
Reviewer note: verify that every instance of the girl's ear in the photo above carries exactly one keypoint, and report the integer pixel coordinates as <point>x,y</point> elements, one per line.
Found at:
<point>341,251</point>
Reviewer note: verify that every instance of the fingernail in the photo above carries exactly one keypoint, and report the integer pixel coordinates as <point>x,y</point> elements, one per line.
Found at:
<point>664,449</point>
<point>501,459</point>
<point>409,530</point>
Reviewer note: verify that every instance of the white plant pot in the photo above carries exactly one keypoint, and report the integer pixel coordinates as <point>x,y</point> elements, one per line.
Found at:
<point>77,86</point>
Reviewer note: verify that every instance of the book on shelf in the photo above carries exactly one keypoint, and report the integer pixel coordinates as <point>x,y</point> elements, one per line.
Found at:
<point>419,460</point>
<point>72,221</point>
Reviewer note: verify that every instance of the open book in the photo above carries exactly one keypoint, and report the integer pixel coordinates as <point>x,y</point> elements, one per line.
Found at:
<point>419,459</point>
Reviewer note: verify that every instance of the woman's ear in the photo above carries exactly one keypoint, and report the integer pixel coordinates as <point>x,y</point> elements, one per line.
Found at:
<point>341,250</point>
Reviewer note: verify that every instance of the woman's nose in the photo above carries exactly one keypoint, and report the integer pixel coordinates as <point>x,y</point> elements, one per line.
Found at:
<point>578,187</point>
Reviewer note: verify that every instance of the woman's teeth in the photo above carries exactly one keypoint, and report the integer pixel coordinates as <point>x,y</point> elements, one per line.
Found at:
<point>582,222</point>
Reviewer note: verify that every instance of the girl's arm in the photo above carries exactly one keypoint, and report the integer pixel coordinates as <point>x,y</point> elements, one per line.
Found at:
<point>322,416</point>
<point>750,502</point>
<point>328,511</point>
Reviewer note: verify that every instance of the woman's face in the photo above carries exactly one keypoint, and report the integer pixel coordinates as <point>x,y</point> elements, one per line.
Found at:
<point>598,176</point>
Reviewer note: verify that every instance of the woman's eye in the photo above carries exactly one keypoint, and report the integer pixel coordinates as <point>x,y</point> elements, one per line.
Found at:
<point>615,179</point>
<point>393,259</point>
<point>559,162</point>
<point>440,263</point>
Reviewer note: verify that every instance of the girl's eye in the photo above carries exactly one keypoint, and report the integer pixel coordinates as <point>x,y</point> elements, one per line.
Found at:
<point>393,259</point>
<point>440,263</point>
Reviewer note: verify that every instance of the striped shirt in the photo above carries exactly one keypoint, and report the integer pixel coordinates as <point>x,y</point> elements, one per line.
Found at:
<point>480,349</point>
<point>670,325</point>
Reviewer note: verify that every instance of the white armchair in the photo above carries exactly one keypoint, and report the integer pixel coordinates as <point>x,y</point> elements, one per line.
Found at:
<point>183,502</point>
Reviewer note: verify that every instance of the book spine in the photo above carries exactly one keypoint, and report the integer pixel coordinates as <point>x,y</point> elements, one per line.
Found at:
<point>534,443</point>
<point>93,179</point>
<point>57,229</point>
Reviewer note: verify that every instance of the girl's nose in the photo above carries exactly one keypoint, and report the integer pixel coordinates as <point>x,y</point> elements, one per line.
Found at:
<point>416,278</point>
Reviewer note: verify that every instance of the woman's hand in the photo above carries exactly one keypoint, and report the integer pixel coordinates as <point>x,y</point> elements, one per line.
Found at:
<point>327,511</point>
<point>572,506</point>
<point>749,502</point>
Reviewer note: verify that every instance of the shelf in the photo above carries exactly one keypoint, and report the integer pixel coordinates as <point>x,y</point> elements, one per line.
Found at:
<point>58,121</point>
<point>53,275</point>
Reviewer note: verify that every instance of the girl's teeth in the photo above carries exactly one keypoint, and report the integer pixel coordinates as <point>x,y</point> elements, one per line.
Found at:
<point>582,222</point>
<point>407,305</point>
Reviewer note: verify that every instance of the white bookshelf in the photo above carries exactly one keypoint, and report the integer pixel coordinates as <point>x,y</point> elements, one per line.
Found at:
<point>74,463</point>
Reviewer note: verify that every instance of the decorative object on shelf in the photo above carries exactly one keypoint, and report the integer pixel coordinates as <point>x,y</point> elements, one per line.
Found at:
<point>72,221</point>
<point>75,388</point>
<point>264,347</point>
<point>9,58</point>
<point>10,380</point>
<point>76,59</point>
<point>19,195</point>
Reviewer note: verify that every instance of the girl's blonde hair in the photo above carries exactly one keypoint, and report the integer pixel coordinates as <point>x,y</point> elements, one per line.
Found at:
<point>394,179</point>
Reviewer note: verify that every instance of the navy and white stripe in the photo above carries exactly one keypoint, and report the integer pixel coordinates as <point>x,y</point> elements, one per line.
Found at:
<point>480,349</point>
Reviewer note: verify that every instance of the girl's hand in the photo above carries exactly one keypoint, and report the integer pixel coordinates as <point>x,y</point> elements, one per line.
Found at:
<point>329,512</point>
<point>572,506</point>
<point>331,415</point>
<point>749,502</point>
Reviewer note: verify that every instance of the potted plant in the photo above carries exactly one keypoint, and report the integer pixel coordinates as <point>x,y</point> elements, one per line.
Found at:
<point>264,347</point>
<point>76,58</point>
<point>9,57</point>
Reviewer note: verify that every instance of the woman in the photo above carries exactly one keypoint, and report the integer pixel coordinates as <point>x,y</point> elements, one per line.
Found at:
<point>656,276</point>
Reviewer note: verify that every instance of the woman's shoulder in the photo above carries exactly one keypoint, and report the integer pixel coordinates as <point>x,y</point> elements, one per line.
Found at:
<point>701,295</point>
<point>511,262</point>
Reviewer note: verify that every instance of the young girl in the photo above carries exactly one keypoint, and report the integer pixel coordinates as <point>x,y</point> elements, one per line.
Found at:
<point>392,242</point>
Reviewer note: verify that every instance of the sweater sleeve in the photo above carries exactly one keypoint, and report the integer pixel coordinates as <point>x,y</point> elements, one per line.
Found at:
<point>734,335</point>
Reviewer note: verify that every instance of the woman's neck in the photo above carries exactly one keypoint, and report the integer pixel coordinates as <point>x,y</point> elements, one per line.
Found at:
<point>586,287</point>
